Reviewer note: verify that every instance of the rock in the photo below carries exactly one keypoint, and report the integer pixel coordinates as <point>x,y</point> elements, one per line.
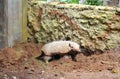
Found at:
<point>110,68</point>
<point>114,71</point>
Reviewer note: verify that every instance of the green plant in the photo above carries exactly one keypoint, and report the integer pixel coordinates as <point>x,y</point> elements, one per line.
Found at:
<point>70,1</point>
<point>94,2</point>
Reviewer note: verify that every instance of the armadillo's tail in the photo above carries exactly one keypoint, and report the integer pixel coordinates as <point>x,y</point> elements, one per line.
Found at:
<point>40,56</point>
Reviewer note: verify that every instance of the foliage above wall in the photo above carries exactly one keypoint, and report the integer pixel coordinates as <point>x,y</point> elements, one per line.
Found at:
<point>94,2</point>
<point>70,1</point>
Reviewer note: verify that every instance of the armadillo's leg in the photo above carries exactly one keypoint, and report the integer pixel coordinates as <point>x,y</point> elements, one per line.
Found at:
<point>47,58</point>
<point>73,56</point>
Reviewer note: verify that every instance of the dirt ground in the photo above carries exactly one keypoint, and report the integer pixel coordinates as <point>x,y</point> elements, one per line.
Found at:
<point>19,62</point>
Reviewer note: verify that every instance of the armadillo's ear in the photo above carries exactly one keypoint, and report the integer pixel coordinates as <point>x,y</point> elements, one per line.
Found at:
<point>70,45</point>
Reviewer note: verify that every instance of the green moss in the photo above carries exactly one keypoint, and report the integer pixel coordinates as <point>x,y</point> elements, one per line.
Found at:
<point>91,26</point>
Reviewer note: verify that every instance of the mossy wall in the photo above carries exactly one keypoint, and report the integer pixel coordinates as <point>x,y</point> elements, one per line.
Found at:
<point>94,27</point>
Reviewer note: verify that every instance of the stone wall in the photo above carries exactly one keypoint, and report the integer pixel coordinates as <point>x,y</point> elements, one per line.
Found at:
<point>94,27</point>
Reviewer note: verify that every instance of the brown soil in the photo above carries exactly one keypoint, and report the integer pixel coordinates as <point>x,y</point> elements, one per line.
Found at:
<point>19,62</point>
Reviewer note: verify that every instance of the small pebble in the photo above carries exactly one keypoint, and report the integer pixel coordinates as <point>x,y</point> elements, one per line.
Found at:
<point>114,71</point>
<point>43,71</point>
<point>110,68</point>
<point>14,77</point>
<point>74,71</point>
<point>90,70</point>
<point>62,78</point>
<point>30,72</point>
<point>5,76</point>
